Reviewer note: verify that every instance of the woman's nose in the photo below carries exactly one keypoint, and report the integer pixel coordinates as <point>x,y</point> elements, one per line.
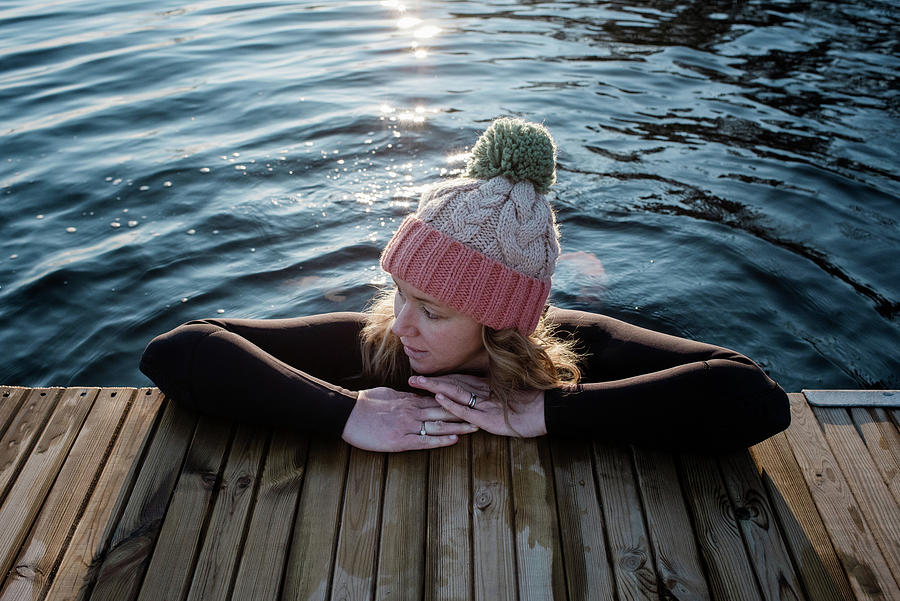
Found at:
<point>403,325</point>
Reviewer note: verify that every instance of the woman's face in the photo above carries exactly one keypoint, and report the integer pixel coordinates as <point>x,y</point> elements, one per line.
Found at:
<point>436,338</point>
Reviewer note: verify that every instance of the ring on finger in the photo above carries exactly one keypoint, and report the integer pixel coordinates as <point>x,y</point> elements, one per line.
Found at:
<point>472,400</point>
<point>422,432</point>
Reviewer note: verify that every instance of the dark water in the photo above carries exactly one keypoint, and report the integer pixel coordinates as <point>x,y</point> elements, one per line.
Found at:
<point>728,170</point>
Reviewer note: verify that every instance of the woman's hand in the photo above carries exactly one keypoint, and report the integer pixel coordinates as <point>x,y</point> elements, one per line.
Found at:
<point>454,393</point>
<point>385,419</point>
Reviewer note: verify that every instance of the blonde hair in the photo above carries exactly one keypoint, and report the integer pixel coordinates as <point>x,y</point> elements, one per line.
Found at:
<point>540,361</point>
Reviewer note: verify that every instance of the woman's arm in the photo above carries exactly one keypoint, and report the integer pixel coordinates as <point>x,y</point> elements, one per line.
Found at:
<point>650,388</point>
<point>296,374</point>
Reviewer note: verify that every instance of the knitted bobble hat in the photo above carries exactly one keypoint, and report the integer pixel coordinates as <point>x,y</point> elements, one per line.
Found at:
<point>486,244</point>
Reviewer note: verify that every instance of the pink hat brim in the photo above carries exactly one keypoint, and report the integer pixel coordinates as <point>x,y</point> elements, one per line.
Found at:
<point>472,283</point>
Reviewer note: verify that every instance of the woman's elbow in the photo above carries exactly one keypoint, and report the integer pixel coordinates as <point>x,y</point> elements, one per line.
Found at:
<point>168,357</point>
<point>778,408</point>
<point>762,408</point>
<point>765,415</point>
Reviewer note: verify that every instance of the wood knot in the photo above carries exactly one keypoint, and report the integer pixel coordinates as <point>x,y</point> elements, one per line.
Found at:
<point>26,572</point>
<point>483,498</point>
<point>632,561</point>
<point>244,482</point>
<point>743,513</point>
<point>208,479</point>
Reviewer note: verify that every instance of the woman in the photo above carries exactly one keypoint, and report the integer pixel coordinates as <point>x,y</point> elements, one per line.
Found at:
<point>465,340</point>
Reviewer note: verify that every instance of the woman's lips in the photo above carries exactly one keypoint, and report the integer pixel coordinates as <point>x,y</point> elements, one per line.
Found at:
<point>413,353</point>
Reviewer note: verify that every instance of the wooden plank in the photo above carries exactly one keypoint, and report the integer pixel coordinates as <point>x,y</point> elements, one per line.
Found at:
<point>629,545</point>
<point>853,398</point>
<point>261,570</point>
<point>766,549</point>
<point>401,554</point>
<point>11,398</point>
<point>73,486</point>
<point>22,433</point>
<point>33,483</point>
<point>538,554</point>
<point>888,430</point>
<point>866,568</point>
<point>448,568</point>
<point>877,503</point>
<point>883,442</point>
<point>171,566</point>
<point>677,558</point>
<point>582,529</point>
<point>217,563</point>
<point>357,548</point>
<point>122,567</point>
<point>494,555</point>
<point>729,573</point>
<point>77,568</point>
<point>311,561</point>
<point>816,563</point>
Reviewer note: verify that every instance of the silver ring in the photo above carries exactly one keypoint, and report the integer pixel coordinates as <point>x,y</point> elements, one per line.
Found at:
<point>422,432</point>
<point>472,400</point>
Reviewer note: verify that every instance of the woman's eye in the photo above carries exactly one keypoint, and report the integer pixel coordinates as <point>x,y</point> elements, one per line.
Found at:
<point>429,314</point>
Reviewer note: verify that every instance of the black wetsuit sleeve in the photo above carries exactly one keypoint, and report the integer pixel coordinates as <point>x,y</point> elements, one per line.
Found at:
<point>297,373</point>
<point>649,388</point>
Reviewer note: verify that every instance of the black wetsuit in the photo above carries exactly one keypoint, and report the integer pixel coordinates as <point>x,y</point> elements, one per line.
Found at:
<point>638,385</point>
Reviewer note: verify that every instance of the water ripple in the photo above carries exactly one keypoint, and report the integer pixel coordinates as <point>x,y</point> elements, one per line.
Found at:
<point>729,168</point>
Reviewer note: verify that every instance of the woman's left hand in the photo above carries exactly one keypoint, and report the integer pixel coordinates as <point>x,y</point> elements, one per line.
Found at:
<point>525,416</point>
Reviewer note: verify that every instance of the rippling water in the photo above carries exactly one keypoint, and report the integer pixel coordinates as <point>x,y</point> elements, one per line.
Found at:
<point>728,170</point>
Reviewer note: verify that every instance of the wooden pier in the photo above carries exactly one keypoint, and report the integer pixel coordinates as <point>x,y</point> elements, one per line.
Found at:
<point>116,494</point>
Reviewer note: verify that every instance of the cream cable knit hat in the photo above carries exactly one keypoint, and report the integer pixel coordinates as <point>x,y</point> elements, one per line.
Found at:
<point>487,244</point>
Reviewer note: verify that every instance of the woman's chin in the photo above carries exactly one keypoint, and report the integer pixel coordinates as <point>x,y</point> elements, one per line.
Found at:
<point>421,367</point>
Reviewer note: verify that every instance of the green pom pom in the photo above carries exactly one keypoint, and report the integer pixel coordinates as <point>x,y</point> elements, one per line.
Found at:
<point>518,150</point>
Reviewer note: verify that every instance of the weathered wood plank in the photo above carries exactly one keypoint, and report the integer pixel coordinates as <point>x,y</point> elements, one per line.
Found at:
<point>494,554</point>
<point>629,545</point>
<point>877,503</point>
<point>33,483</point>
<point>868,572</point>
<point>401,555</point>
<point>816,562</point>
<point>883,442</point>
<point>765,546</point>
<point>123,566</point>
<point>261,570</point>
<point>311,561</point>
<point>11,398</point>
<point>538,554</point>
<point>357,550</point>
<point>448,569</point>
<point>22,433</point>
<point>678,564</point>
<point>890,433</point>
<point>582,529</point>
<point>853,398</point>
<point>87,505</point>
<point>48,537</point>
<point>77,568</point>
<point>728,568</point>
<point>217,562</point>
<point>171,566</point>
